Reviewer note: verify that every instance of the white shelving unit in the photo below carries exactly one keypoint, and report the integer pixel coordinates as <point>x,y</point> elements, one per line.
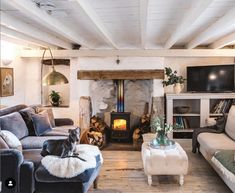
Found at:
<point>200,107</point>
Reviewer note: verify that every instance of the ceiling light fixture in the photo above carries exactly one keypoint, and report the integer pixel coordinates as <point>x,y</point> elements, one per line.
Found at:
<point>47,5</point>
<point>54,77</point>
<point>118,60</point>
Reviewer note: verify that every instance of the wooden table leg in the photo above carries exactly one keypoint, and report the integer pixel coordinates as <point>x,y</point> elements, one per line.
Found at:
<point>181,181</point>
<point>150,180</point>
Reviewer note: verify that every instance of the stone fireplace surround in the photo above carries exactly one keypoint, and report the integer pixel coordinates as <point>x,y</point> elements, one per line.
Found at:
<point>137,93</point>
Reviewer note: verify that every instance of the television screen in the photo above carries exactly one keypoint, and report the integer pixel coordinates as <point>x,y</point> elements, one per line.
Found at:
<point>218,78</point>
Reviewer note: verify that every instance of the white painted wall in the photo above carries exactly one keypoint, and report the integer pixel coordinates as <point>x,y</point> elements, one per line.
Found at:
<point>27,77</point>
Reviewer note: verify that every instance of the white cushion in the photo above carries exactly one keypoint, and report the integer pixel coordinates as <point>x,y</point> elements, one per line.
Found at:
<point>230,124</point>
<point>11,140</point>
<point>212,142</point>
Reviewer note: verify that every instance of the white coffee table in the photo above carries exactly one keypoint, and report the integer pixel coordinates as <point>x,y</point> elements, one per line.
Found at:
<point>164,162</point>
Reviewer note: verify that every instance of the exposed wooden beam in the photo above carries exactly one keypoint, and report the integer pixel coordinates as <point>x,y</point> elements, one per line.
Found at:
<point>120,74</point>
<point>30,9</point>
<point>94,18</point>
<point>144,4</point>
<point>224,41</point>
<point>18,42</point>
<point>65,62</point>
<point>197,8</point>
<point>20,36</point>
<point>22,27</point>
<point>219,27</point>
<point>133,53</point>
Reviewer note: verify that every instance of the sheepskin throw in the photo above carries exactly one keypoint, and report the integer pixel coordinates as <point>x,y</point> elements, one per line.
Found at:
<point>71,166</point>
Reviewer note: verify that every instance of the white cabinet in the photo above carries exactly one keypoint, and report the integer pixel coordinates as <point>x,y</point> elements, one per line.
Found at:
<point>200,105</point>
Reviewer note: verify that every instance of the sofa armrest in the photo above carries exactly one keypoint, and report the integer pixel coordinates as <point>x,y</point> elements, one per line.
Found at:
<point>11,160</point>
<point>27,177</point>
<point>63,121</point>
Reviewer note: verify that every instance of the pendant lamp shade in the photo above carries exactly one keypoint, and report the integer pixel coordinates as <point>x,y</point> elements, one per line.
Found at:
<point>54,77</point>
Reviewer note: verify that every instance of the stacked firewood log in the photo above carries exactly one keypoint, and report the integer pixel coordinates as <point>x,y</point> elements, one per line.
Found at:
<point>144,127</point>
<point>96,135</point>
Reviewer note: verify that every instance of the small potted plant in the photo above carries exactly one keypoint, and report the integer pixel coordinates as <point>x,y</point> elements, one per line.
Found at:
<point>173,79</point>
<point>55,98</point>
<point>161,128</point>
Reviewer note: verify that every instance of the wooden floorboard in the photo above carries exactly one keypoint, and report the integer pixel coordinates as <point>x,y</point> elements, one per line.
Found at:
<point>122,172</point>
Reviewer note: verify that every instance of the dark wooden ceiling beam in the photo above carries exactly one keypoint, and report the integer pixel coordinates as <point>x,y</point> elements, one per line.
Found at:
<point>65,62</point>
<point>120,74</point>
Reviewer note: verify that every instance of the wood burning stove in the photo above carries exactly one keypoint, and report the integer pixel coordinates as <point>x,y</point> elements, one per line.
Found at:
<point>120,125</point>
<point>120,120</point>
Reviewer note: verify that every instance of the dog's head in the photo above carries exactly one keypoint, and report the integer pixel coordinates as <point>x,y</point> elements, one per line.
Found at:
<point>74,135</point>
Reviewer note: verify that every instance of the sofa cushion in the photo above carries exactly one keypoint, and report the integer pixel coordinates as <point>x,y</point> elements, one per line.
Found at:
<point>26,114</point>
<point>62,130</point>
<point>230,125</point>
<point>41,123</point>
<point>11,140</point>
<point>3,144</point>
<point>50,114</point>
<point>36,142</point>
<point>14,123</point>
<point>213,142</point>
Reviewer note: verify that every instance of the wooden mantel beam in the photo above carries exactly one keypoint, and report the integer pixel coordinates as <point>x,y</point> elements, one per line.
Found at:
<point>120,74</point>
<point>132,53</point>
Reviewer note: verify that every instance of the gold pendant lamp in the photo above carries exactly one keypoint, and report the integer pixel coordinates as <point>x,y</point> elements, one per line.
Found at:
<point>54,77</point>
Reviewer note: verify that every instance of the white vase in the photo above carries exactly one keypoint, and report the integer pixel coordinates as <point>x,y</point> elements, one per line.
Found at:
<point>178,88</point>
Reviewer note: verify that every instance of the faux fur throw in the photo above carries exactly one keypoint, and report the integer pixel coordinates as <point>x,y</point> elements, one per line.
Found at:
<point>72,166</point>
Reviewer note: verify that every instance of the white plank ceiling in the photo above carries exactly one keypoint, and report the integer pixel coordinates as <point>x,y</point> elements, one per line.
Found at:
<point>122,24</point>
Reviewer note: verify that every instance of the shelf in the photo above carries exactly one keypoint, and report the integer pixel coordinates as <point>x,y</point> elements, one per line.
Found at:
<point>187,115</point>
<point>216,114</point>
<point>183,130</point>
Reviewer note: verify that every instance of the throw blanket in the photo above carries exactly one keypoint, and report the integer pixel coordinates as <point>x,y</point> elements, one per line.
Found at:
<point>218,128</point>
<point>224,160</point>
<point>72,166</point>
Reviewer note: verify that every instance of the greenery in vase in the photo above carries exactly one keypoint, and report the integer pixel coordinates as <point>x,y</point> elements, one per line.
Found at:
<point>55,98</point>
<point>158,125</point>
<point>172,77</point>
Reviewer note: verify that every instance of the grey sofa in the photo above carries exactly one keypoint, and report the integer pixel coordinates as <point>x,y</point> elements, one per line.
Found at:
<point>24,167</point>
<point>210,143</point>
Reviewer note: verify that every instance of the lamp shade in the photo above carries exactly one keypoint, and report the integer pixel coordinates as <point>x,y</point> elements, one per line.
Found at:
<point>54,78</point>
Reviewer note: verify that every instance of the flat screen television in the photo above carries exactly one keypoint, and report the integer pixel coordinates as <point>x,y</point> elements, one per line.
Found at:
<point>219,78</point>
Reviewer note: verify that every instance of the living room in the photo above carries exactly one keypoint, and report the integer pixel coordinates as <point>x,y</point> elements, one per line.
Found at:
<point>117,96</point>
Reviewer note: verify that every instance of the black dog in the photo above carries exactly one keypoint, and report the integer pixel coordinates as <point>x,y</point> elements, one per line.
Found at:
<point>62,147</point>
